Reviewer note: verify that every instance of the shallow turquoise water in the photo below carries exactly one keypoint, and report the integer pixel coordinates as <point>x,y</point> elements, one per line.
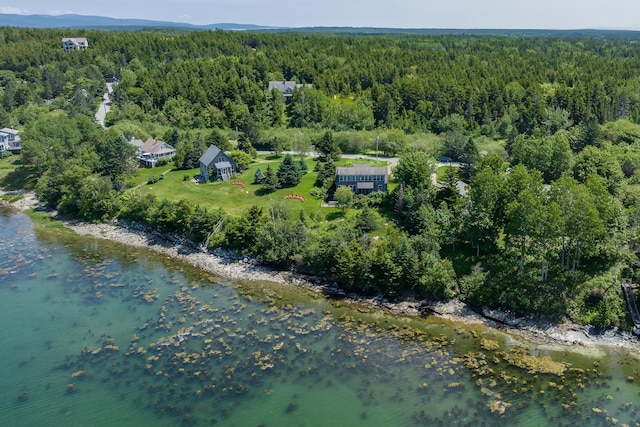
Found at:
<point>96,334</point>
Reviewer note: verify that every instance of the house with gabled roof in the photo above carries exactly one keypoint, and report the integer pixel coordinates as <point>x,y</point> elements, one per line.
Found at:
<point>215,164</point>
<point>10,141</point>
<point>74,43</point>
<point>363,178</point>
<point>152,151</point>
<point>286,86</point>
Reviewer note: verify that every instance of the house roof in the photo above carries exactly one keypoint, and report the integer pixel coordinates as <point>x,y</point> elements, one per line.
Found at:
<point>209,156</point>
<point>77,41</point>
<point>136,143</point>
<point>282,86</point>
<point>365,185</point>
<point>362,169</point>
<point>222,165</point>
<point>7,130</point>
<point>286,86</point>
<point>155,146</point>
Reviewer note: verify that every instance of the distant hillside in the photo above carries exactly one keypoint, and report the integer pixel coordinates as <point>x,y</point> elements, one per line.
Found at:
<point>469,31</point>
<point>102,22</point>
<point>84,21</point>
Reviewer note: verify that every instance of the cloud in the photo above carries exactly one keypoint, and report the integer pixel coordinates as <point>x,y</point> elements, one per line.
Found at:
<point>14,10</point>
<point>185,17</point>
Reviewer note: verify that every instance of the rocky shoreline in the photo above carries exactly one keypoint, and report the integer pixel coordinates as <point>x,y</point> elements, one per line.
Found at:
<point>228,265</point>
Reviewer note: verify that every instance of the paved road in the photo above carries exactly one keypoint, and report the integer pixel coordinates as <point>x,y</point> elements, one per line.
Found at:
<point>105,106</point>
<point>391,161</point>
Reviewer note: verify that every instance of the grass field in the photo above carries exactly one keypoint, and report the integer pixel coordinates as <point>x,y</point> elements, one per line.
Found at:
<point>488,145</point>
<point>235,199</point>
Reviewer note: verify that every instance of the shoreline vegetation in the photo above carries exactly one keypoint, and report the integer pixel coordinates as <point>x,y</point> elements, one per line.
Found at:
<point>227,265</point>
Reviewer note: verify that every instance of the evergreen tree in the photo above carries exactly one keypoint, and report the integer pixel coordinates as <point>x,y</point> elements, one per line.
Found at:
<point>328,147</point>
<point>589,133</point>
<point>302,165</point>
<point>270,182</point>
<point>258,178</point>
<point>172,137</point>
<point>399,202</point>
<point>326,174</point>
<point>367,220</point>
<point>449,189</point>
<point>288,173</point>
<point>470,157</point>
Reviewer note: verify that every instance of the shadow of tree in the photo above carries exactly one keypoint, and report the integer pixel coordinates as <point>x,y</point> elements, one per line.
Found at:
<point>262,192</point>
<point>23,178</point>
<point>332,216</point>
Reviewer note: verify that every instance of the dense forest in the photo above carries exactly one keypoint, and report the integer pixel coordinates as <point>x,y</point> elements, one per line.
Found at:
<point>547,131</point>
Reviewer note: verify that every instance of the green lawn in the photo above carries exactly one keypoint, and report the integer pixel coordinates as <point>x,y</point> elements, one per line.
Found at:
<point>143,174</point>
<point>232,198</point>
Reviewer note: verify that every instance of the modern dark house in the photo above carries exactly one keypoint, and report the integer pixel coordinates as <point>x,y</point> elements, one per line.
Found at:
<point>363,178</point>
<point>215,164</point>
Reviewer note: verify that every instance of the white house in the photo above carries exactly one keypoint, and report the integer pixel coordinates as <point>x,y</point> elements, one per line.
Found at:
<point>10,141</point>
<point>71,43</point>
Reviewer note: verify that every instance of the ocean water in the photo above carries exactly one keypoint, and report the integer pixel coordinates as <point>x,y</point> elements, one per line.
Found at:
<point>98,334</point>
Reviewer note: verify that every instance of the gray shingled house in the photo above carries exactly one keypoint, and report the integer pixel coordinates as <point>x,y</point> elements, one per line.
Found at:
<point>286,86</point>
<point>363,178</point>
<point>151,151</point>
<point>215,164</point>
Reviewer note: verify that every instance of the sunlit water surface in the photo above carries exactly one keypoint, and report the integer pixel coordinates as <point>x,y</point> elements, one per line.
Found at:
<point>96,334</point>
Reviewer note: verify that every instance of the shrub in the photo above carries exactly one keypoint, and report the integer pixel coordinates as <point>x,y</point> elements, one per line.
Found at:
<point>154,178</point>
<point>318,192</point>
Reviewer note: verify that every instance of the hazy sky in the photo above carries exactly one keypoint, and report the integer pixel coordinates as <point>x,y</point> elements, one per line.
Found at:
<point>554,14</point>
